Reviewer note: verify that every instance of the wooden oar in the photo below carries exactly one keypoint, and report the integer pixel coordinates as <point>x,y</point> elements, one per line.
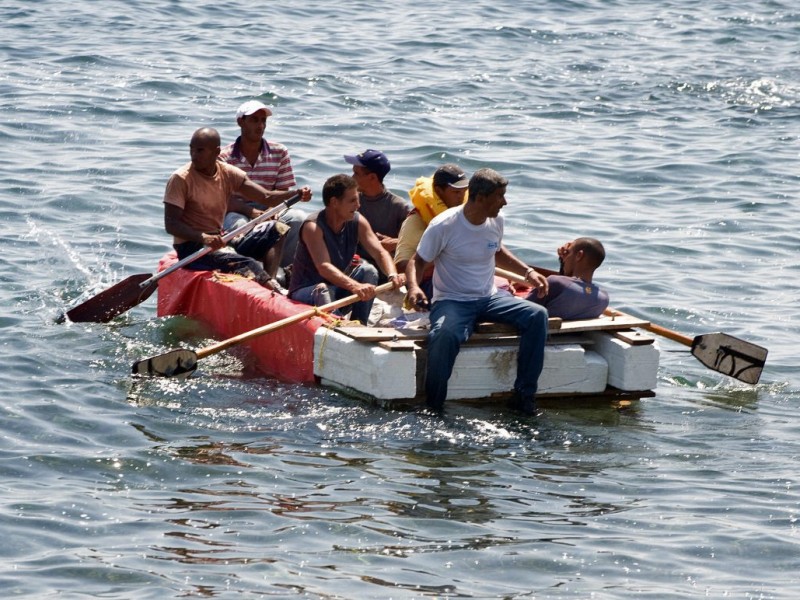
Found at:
<point>182,362</point>
<point>136,289</point>
<point>719,352</point>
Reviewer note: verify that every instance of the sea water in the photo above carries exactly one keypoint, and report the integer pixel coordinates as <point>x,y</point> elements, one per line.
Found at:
<point>668,130</point>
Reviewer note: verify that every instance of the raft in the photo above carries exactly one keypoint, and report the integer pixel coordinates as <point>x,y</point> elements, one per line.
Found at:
<point>607,357</point>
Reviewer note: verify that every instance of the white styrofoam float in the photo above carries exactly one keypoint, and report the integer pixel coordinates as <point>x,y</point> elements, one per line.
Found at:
<point>586,365</point>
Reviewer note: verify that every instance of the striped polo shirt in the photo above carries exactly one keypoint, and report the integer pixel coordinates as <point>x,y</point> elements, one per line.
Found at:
<point>273,168</point>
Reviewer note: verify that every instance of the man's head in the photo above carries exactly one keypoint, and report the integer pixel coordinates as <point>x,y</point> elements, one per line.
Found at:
<point>581,256</point>
<point>450,184</point>
<point>487,188</point>
<point>204,149</point>
<point>340,194</point>
<point>252,119</point>
<point>369,168</point>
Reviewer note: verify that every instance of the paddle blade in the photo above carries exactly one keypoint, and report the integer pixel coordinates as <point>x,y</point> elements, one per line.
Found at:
<point>175,363</point>
<point>730,356</point>
<point>114,301</point>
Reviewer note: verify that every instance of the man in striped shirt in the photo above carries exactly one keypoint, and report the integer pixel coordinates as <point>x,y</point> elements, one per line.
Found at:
<point>267,164</point>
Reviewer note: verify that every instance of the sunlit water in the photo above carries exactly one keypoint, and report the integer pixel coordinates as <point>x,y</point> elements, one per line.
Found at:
<point>668,130</point>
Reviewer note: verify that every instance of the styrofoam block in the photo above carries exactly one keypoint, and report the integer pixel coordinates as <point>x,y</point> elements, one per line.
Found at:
<point>482,371</point>
<point>366,368</point>
<point>629,367</point>
<point>589,377</point>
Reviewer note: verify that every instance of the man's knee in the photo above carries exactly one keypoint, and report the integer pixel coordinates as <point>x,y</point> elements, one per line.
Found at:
<point>321,294</point>
<point>366,273</point>
<point>293,218</point>
<point>441,334</point>
<point>535,316</point>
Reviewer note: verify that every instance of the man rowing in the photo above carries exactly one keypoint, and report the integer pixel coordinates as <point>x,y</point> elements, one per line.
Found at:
<point>196,199</point>
<point>323,268</point>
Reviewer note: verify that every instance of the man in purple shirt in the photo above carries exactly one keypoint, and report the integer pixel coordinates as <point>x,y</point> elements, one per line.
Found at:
<point>571,294</point>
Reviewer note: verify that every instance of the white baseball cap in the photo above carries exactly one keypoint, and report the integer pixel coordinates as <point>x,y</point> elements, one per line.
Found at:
<point>250,107</point>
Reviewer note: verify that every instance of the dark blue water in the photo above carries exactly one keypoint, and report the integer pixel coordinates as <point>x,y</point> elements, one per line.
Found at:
<point>668,130</point>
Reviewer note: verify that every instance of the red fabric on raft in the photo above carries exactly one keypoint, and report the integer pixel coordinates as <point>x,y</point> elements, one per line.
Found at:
<point>231,305</point>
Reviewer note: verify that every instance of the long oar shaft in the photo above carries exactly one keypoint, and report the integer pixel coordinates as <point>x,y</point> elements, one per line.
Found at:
<point>719,352</point>
<point>242,229</point>
<point>135,289</point>
<point>264,329</point>
<point>663,331</point>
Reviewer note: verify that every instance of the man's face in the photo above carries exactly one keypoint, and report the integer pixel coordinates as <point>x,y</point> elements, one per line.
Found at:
<point>347,205</point>
<point>253,126</point>
<point>452,196</point>
<point>204,152</point>
<point>495,201</point>
<point>567,257</point>
<point>362,176</point>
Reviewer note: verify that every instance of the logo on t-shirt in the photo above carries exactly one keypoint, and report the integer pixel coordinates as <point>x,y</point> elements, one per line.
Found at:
<point>494,246</point>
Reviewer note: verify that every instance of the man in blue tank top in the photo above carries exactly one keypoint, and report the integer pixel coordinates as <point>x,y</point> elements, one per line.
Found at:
<point>323,268</point>
<point>465,243</point>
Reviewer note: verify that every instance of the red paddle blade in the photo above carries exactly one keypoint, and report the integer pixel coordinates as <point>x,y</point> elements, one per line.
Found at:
<point>730,355</point>
<point>175,363</point>
<point>114,301</point>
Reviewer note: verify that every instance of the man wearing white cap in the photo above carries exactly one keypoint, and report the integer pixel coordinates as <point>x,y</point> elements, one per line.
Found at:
<point>267,164</point>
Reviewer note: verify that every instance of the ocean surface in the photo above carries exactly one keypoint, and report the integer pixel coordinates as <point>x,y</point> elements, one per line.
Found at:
<point>668,130</point>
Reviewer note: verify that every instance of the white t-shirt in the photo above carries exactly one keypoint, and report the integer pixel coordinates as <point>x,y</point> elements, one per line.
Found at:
<point>462,253</point>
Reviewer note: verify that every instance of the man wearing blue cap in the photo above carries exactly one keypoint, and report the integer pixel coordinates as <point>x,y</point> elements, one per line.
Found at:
<point>384,210</point>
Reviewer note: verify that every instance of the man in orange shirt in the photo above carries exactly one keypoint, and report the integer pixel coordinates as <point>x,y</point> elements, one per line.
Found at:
<point>197,197</point>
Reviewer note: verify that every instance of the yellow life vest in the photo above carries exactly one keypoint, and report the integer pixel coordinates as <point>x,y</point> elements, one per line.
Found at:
<point>426,200</point>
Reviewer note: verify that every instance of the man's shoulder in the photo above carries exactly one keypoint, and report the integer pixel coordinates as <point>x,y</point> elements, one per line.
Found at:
<point>446,217</point>
<point>414,221</point>
<point>395,198</point>
<point>277,148</point>
<point>230,153</point>
<point>230,169</point>
<point>561,281</point>
<point>400,203</point>
<point>182,172</point>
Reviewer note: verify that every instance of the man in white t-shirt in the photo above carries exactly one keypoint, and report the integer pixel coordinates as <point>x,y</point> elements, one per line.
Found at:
<point>465,245</point>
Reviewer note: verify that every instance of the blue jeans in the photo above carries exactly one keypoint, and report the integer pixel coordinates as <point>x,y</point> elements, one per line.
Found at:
<point>325,293</point>
<point>453,321</point>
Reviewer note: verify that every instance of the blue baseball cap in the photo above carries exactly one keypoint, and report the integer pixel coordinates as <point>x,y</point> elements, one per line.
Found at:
<point>372,160</point>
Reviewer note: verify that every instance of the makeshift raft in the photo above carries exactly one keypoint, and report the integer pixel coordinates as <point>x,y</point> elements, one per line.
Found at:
<point>604,357</point>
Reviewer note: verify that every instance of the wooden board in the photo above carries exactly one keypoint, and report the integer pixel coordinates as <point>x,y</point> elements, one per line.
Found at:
<point>634,337</point>
<point>487,340</point>
<point>495,330</point>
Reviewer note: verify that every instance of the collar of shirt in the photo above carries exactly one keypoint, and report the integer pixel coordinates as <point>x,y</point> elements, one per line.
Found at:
<point>237,148</point>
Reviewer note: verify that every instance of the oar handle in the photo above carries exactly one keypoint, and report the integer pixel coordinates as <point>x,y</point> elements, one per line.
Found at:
<point>511,275</point>
<point>658,329</point>
<point>670,334</point>
<point>225,238</point>
<point>264,329</point>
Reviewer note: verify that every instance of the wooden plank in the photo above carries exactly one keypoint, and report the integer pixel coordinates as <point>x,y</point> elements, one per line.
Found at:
<point>485,340</point>
<point>400,344</point>
<point>553,324</point>
<point>499,331</point>
<point>602,324</point>
<point>634,337</point>
<point>380,334</point>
